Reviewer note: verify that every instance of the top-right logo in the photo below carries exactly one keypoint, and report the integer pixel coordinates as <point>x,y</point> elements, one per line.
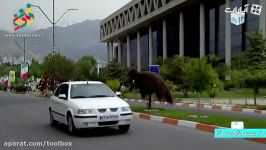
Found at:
<point>238,14</point>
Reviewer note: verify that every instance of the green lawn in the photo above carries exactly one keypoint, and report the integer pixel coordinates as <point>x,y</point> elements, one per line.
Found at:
<point>234,93</point>
<point>219,120</point>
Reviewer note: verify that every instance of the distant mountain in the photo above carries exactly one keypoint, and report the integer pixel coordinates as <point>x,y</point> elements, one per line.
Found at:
<point>74,41</point>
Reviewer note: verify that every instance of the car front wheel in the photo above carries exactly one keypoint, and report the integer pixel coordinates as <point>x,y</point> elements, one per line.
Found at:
<point>71,126</point>
<point>123,128</point>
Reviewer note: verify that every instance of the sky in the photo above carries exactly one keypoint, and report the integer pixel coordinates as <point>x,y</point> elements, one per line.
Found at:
<point>87,9</point>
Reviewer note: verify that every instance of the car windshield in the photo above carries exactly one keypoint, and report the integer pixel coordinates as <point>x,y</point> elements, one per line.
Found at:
<point>90,91</point>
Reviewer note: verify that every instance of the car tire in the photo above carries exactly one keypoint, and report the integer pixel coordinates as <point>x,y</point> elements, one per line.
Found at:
<point>70,125</point>
<point>123,128</point>
<point>52,121</point>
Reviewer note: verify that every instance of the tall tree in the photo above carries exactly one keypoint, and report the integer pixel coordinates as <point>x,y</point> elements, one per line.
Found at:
<point>86,68</point>
<point>173,69</point>
<point>36,69</point>
<point>116,71</point>
<point>255,79</point>
<point>256,54</point>
<point>59,67</point>
<point>200,76</point>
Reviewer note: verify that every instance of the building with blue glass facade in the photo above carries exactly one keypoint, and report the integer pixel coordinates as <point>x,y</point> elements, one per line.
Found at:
<point>144,30</point>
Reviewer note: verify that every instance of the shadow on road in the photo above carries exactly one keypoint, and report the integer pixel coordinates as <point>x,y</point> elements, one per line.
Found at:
<point>94,132</point>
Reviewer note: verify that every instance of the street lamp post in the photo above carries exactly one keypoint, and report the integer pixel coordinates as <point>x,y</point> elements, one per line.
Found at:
<point>23,49</point>
<point>53,22</point>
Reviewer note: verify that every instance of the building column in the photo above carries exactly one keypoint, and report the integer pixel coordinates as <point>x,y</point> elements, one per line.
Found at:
<point>119,52</point>
<point>108,52</point>
<point>113,51</point>
<point>228,36</point>
<point>164,40</point>
<point>128,51</point>
<point>181,35</point>
<point>138,52</point>
<point>111,46</point>
<point>202,30</point>
<point>150,45</point>
<point>262,22</point>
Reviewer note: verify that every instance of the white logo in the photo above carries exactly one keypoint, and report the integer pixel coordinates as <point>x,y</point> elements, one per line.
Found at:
<point>237,125</point>
<point>256,9</point>
<point>238,14</point>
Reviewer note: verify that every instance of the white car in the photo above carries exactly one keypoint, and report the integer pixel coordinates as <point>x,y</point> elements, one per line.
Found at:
<point>88,104</point>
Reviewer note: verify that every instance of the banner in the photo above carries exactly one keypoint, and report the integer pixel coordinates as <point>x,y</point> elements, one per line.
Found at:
<point>5,80</point>
<point>24,71</point>
<point>12,76</point>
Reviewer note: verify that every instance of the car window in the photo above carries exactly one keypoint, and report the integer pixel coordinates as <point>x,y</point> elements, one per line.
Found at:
<point>57,92</point>
<point>64,90</point>
<point>90,91</point>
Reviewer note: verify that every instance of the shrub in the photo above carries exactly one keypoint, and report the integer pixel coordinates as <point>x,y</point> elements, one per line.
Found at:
<point>261,107</point>
<point>171,86</point>
<point>113,85</point>
<point>20,88</point>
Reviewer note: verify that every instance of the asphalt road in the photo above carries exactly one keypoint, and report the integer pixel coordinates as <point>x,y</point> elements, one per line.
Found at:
<point>25,118</point>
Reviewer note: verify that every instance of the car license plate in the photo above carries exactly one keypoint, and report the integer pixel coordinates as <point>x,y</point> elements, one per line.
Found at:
<point>111,117</point>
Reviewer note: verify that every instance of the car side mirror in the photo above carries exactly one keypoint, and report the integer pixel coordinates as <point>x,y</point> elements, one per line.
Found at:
<point>62,96</point>
<point>118,93</point>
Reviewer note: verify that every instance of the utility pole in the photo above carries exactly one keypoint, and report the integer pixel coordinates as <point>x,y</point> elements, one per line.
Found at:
<point>24,50</point>
<point>12,59</point>
<point>53,29</point>
<point>53,22</point>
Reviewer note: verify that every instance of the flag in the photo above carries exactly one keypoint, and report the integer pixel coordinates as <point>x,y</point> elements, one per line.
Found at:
<point>24,71</point>
<point>5,80</point>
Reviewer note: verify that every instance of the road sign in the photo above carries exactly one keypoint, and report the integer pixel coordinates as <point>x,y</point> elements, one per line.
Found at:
<point>155,69</point>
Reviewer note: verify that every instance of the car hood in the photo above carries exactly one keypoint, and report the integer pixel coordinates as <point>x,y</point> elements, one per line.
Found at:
<point>101,102</point>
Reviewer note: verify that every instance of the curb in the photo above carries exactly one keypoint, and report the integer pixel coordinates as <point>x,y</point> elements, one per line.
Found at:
<point>218,107</point>
<point>189,124</point>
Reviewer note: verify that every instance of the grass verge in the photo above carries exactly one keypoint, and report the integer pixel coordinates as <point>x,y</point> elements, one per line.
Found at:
<point>219,120</point>
<point>233,93</point>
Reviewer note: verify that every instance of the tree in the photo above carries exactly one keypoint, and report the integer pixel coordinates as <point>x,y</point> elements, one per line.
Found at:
<point>256,54</point>
<point>36,69</point>
<point>173,70</point>
<point>59,67</point>
<point>200,76</point>
<point>240,61</point>
<point>86,68</point>
<point>116,71</point>
<point>215,89</point>
<point>255,79</point>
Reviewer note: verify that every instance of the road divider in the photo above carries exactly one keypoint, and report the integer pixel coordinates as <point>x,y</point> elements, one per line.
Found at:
<point>217,107</point>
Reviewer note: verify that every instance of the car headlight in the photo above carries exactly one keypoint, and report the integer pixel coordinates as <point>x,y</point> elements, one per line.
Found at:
<point>86,111</point>
<point>125,109</point>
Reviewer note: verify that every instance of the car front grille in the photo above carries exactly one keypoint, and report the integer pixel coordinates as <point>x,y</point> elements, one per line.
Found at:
<point>102,110</point>
<point>107,123</point>
<point>113,109</point>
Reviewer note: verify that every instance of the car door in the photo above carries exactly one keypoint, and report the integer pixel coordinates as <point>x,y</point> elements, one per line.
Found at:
<point>55,104</point>
<point>62,103</point>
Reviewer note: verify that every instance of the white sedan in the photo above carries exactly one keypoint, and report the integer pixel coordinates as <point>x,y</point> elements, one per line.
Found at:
<point>88,104</point>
